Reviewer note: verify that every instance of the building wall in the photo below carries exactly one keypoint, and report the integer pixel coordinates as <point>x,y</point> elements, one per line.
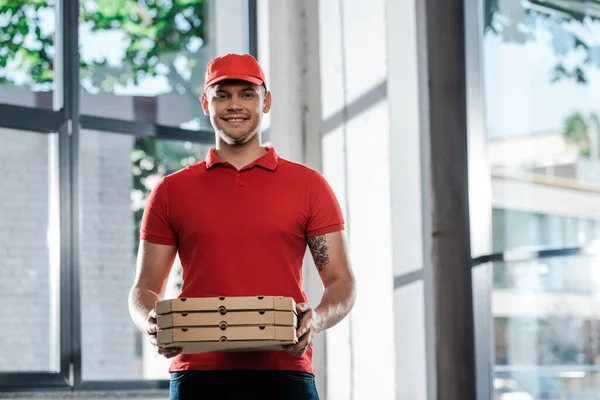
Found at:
<point>107,246</point>
<point>25,266</point>
<point>552,198</point>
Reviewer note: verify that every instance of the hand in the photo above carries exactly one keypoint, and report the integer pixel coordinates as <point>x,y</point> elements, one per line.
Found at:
<point>308,327</point>
<point>151,331</point>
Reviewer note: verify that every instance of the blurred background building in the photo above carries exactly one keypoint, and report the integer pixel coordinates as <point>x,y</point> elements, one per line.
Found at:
<point>99,99</point>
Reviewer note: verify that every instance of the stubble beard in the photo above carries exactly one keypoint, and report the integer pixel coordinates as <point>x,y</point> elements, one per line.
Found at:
<point>237,139</point>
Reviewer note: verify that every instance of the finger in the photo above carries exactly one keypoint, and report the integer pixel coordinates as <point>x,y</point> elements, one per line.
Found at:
<point>153,340</point>
<point>302,307</point>
<point>303,330</point>
<point>169,351</point>
<point>152,329</point>
<point>302,342</point>
<point>299,352</point>
<point>152,316</point>
<point>304,325</point>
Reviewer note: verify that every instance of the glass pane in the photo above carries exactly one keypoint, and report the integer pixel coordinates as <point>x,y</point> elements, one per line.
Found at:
<point>27,52</point>
<point>542,95</point>
<point>117,174</point>
<point>547,329</point>
<point>29,252</point>
<point>144,60</point>
<point>542,86</point>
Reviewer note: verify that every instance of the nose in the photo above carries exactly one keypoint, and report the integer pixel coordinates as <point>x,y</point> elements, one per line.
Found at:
<point>234,104</point>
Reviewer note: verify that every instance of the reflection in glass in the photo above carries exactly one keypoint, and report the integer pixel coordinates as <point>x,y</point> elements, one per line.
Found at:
<point>117,173</point>
<point>547,341</point>
<point>542,88</point>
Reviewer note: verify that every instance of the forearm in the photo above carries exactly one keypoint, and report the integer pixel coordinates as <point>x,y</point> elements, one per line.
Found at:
<point>336,303</point>
<point>141,301</point>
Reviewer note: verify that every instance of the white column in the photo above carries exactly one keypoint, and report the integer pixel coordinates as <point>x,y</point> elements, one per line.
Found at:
<point>228,27</point>
<point>285,60</point>
<point>407,230</point>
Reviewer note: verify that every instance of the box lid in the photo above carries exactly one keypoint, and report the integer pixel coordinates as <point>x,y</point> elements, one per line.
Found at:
<point>232,318</point>
<point>226,304</point>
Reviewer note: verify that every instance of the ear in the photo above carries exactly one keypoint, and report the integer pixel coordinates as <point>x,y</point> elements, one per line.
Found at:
<point>267,103</point>
<point>204,101</point>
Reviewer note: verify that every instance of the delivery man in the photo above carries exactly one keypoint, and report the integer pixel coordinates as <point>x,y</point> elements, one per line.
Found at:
<point>241,221</point>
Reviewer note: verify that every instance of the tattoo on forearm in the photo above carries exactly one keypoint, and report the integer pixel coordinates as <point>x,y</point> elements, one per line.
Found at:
<point>318,248</point>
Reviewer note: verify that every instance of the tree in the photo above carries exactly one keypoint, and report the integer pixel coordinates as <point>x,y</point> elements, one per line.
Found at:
<point>163,38</point>
<point>577,131</point>
<point>571,29</point>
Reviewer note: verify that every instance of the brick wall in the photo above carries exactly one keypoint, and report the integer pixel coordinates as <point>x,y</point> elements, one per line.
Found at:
<point>24,257</point>
<point>107,257</point>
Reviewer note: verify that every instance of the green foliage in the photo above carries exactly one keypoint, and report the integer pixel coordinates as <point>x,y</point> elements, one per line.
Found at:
<point>512,24</point>
<point>577,131</point>
<point>157,33</point>
<point>23,43</point>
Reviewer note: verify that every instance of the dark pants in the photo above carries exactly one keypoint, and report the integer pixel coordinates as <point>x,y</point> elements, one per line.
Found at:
<point>243,385</point>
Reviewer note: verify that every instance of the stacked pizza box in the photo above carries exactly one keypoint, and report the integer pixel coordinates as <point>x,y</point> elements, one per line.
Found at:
<point>199,325</point>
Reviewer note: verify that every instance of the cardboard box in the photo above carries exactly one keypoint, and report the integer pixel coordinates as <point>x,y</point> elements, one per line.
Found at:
<point>195,319</point>
<point>232,338</point>
<point>229,347</point>
<point>225,304</point>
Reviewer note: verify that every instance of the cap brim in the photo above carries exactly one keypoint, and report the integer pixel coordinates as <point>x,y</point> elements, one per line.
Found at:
<point>247,78</point>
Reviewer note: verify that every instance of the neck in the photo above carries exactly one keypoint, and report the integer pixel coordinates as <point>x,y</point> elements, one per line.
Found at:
<point>240,156</point>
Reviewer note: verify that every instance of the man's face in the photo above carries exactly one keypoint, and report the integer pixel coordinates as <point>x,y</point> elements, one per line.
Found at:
<point>235,109</point>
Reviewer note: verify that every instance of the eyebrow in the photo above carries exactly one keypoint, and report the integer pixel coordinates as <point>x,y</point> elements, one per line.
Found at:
<point>220,89</point>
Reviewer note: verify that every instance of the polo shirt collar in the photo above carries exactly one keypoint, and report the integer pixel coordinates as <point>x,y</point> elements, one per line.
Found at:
<point>269,161</point>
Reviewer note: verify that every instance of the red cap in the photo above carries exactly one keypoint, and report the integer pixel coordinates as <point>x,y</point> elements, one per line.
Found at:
<point>234,66</point>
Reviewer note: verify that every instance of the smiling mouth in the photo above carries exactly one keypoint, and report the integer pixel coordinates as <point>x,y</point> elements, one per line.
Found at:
<point>235,120</point>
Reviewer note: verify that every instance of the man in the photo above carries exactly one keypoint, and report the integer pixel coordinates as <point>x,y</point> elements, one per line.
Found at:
<point>241,221</point>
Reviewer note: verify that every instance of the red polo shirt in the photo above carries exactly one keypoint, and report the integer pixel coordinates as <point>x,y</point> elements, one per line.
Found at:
<point>241,233</point>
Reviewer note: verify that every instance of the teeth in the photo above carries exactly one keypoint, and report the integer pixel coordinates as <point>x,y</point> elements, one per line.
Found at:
<point>235,119</point>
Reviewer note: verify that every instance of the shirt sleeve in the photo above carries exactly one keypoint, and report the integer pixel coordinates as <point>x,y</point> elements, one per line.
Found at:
<point>325,214</point>
<point>156,222</point>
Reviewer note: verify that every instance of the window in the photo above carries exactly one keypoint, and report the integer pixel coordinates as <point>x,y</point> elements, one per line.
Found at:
<point>542,79</point>
<point>92,116</point>
<point>147,57</point>
<point>118,174</point>
<point>29,262</point>
<point>547,340</point>
<point>27,53</point>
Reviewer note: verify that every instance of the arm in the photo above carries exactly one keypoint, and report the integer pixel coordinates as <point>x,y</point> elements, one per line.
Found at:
<point>154,263</point>
<point>331,259</point>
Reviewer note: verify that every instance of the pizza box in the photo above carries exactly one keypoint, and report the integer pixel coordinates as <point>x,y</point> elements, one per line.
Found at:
<point>229,347</point>
<point>225,304</point>
<point>232,338</point>
<point>193,319</point>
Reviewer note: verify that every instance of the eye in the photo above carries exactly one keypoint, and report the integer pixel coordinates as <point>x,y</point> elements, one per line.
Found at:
<point>248,95</point>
